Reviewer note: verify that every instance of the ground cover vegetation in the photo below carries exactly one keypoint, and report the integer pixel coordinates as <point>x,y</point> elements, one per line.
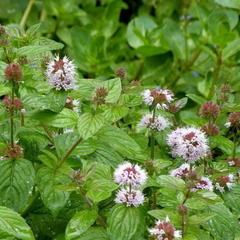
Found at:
<point>119,120</point>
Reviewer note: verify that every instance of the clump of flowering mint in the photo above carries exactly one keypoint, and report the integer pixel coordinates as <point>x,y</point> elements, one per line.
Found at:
<point>224,182</point>
<point>164,230</point>
<point>189,143</point>
<point>61,73</point>
<point>159,97</point>
<point>130,197</point>
<point>120,73</point>
<point>130,176</point>
<point>128,173</point>
<point>234,120</point>
<point>159,123</point>
<point>13,72</point>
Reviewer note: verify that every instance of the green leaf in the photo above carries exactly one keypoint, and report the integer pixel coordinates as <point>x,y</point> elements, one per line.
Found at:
<point>198,122</point>
<point>223,143</point>
<point>114,88</point>
<point>49,159</point>
<point>163,213</point>
<point>33,29</point>
<point>80,222</point>
<point>85,147</point>
<point>53,199</point>
<point>196,98</point>
<point>98,196</point>
<point>106,155</point>
<point>208,196</point>
<point>65,119</point>
<point>196,203</point>
<point>171,182</point>
<point>174,35</point>
<point>31,50</point>
<point>231,49</point>
<point>222,225</point>
<point>115,113</point>
<point>200,218</point>
<point>122,222</point>
<point>93,233</point>
<point>89,124</point>
<point>13,224</point>
<point>146,51</point>
<point>232,198</point>
<point>16,183</point>
<point>121,142</point>
<point>138,30</point>
<point>229,3</point>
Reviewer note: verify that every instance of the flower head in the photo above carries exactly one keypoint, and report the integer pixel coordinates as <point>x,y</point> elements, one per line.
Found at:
<point>159,123</point>
<point>158,96</point>
<point>133,197</point>
<point>15,105</point>
<point>61,73</point>
<point>13,152</point>
<point>210,110</point>
<point>181,172</point>
<point>204,183</point>
<point>163,230</point>
<point>211,130</point>
<point>13,72</point>
<point>127,173</point>
<point>189,143</point>
<point>223,182</point>
<point>234,120</point>
<point>101,94</point>
<point>120,73</point>
<point>233,161</point>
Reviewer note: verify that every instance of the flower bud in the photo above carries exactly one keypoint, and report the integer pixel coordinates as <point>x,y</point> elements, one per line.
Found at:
<point>120,73</point>
<point>13,153</point>
<point>210,110</point>
<point>101,94</point>
<point>13,72</point>
<point>182,210</point>
<point>211,130</point>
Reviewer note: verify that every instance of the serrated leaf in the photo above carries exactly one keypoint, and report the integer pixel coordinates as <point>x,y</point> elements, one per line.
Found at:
<point>196,98</point>
<point>200,218</point>
<point>13,224</point>
<point>86,147</point>
<point>16,183</point>
<point>232,198</point>
<point>94,233</point>
<point>53,199</point>
<point>89,124</point>
<point>222,225</point>
<point>49,159</point>
<point>65,119</point>
<point>181,103</point>
<point>198,122</point>
<point>171,182</point>
<point>80,222</point>
<point>208,196</point>
<point>114,113</point>
<point>122,222</point>
<point>31,50</point>
<point>98,196</point>
<point>121,142</point>
<point>223,143</point>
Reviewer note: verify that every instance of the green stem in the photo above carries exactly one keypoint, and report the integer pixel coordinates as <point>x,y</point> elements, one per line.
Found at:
<point>30,204</point>
<point>90,205</point>
<point>26,13</point>
<point>140,66</point>
<point>215,74</point>
<point>11,115</point>
<point>152,136</point>
<point>67,154</point>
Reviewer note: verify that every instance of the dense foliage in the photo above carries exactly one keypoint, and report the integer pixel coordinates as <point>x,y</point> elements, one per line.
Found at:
<point>119,119</point>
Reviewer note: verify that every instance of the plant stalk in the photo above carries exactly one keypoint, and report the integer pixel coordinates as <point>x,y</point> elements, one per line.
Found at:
<point>26,13</point>
<point>11,115</point>
<point>67,154</point>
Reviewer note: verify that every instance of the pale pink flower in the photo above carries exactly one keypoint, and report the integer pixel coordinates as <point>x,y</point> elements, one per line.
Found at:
<point>133,197</point>
<point>182,171</point>
<point>204,183</point>
<point>160,123</point>
<point>225,181</point>
<point>189,143</point>
<point>61,73</point>
<point>163,230</point>
<point>127,173</point>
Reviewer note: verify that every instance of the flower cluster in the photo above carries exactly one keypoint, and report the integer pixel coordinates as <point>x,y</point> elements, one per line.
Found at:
<point>209,110</point>
<point>159,97</point>
<point>163,230</point>
<point>181,172</point>
<point>61,73</point>
<point>15,105</point>
<point>132,176</point>
<point>223,182</point>
<point>13,72</point>
<point>12,152</point>
<point>100,96</point>
<point>120,73</point>
<point>233,161</point>
<point>189,143</point>
<point>159,123</point>
<point>234,120</point>
<point>204,183</point>
<point>72,104</point>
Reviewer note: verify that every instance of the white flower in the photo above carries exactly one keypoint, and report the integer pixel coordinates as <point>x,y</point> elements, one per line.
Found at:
<point>182,171</point>
<point>160,123</point>
<point>127,173</point>
<point>204,183</point>
<point>189,143</point>
<point>159,96</point>
<point>135,197</point>
<point>163,230</point>
<point>227,124</point>
<point>224,181</point>
<point>61,73</point>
